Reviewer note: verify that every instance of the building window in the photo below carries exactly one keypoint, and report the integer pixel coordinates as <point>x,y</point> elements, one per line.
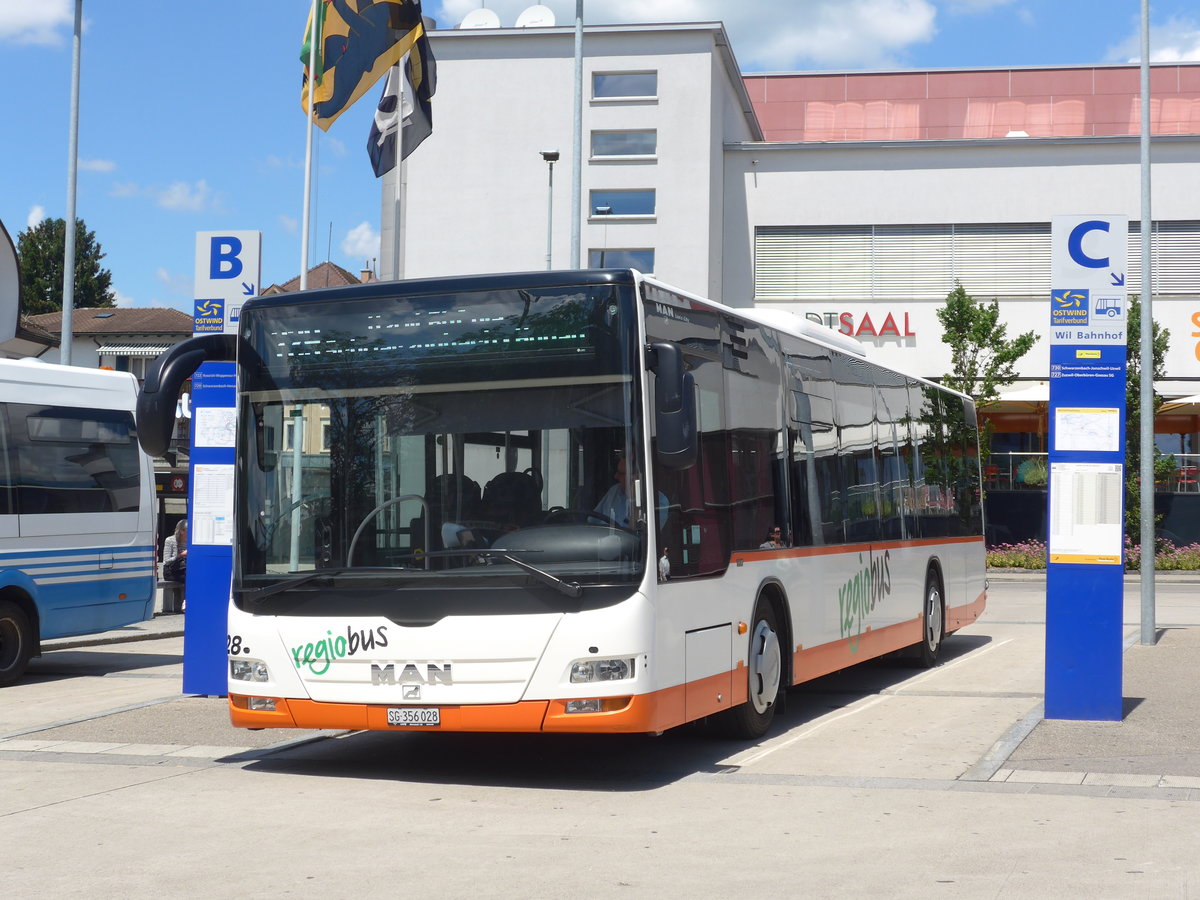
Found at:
<point>624,143</point>
<point>622,203</point>
<point>642,260</point>
<point>623,85</point>
<point>134,364</point>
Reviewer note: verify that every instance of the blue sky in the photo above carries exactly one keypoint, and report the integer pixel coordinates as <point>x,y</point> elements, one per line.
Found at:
<point>190,117</point>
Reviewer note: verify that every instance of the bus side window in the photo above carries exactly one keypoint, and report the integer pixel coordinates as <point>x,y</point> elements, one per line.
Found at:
<point>697,534</point>
<point>857,443</point>
<point>895,451</point>
<point>930,463</point>
<point>6,479</point>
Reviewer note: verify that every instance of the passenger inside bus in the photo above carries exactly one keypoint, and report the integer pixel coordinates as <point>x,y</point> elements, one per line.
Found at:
<point>774,539</point>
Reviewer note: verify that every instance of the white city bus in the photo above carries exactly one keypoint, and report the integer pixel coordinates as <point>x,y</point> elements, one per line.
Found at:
<point>76,508</point>
<point>427,535</point>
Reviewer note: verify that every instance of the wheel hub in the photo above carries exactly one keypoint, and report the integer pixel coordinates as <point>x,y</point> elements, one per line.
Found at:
<point>766,663</point>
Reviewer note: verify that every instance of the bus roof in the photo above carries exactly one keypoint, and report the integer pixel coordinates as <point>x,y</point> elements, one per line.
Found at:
<point>28,371</point>
<point>454,284</point>
<point>780,320</point>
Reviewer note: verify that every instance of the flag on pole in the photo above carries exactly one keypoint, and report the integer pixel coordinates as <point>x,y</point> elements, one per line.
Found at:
<point>357,42</point>
<point>414,121</point>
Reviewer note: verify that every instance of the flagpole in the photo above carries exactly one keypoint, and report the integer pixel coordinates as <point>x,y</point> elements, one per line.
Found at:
<point>401,172</point>
<point>68,297</point>
<point>577,148</point>
<point>313,37</point>
<point>1149,632</point>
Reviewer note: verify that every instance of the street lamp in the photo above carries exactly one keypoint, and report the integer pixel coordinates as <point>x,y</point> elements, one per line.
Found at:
<point>603,211</point>
<point>551,157</point>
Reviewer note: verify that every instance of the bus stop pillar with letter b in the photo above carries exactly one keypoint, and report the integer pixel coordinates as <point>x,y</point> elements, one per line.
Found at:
<point>227,274</point>
<point>210,535</point>
<point>1084,566</point>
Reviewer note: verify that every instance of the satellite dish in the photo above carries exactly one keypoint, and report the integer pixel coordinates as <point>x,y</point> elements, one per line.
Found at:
<point>536,17</point>
<point>480,18</point>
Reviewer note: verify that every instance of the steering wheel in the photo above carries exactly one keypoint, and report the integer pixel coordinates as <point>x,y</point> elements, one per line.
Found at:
<point>559,514</point>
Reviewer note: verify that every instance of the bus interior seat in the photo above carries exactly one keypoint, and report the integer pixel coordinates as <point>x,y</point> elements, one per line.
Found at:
<point>513,498</point>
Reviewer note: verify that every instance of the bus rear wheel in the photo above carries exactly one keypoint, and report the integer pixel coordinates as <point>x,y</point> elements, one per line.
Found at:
<point>764,666</point>
<point>16,642</point>
<point>933,621</point>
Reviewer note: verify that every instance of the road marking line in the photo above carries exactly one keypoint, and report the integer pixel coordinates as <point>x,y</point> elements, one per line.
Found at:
<point>754,754</point>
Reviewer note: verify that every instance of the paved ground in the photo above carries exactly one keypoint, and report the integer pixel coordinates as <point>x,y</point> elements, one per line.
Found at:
<point>880,781</point>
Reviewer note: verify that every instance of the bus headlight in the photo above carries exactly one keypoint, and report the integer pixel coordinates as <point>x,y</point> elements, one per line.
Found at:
<point>248,670</point>
<point>589,670</point>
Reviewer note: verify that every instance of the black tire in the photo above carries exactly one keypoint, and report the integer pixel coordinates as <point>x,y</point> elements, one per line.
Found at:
<point>933,621</point>
<point>16,642</point>
<point>764,668</point>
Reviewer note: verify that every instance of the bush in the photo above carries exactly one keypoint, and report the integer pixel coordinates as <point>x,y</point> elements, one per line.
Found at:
<point>1032,555</point>
<point>1025,555</point>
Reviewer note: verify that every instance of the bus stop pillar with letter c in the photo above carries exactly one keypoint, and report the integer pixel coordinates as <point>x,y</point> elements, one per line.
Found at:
<point>1084,565</point>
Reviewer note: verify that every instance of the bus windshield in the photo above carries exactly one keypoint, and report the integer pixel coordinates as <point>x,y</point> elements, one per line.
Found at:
<point>463,438</point>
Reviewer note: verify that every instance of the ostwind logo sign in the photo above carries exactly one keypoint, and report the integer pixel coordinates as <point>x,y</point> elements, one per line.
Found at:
<point>1069,307</point>
<point>209,316</point>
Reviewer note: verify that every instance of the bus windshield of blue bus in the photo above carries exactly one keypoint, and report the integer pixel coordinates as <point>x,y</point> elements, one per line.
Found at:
<point>472,439</point>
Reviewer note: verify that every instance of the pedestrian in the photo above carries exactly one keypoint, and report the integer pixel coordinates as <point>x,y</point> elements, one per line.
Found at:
<point>175,554</point>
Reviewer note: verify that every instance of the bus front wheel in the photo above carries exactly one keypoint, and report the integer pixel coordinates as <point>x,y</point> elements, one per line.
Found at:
<point>764,666</point>
<point>933,621</point>
<point>16,642</point>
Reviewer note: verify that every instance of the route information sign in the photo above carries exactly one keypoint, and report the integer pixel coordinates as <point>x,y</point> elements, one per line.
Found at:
<point>1089,311</point>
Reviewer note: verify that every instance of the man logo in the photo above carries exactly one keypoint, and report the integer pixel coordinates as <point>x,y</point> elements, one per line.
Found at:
<point>411,692</point>
<point>411,675</point>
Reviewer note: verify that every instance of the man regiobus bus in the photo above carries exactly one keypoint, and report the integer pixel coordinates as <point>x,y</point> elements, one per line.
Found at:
<point>76,508</point>
<point>422,539</point>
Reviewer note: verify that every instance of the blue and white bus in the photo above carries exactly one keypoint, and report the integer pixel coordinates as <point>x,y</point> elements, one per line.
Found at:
<point>76,508</point>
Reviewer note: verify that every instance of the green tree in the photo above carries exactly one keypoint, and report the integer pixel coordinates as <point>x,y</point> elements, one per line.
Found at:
<point>982,357</point>
<point>40,252</point>
<point>1163,464</point>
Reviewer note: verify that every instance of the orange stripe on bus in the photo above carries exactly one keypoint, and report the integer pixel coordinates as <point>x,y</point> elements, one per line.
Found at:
<point>960,616</point>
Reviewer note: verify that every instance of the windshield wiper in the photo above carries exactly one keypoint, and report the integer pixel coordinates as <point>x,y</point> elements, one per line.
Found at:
<point>570,589</point>
<point>288,584</point>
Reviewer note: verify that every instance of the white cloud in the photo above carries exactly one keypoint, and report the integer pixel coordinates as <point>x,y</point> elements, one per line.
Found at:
<point>766,34</point>
<point>179,196</point>
<point>289,224</point>
<point>36,214</point>
<point>1176,41</point>
<point>123,300</point>
<point>178,285</point>
<point>36,22</point>
<point>974,6</point>
<point>361,242</point>
<point>97,165</point>
<point>183,196</point>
